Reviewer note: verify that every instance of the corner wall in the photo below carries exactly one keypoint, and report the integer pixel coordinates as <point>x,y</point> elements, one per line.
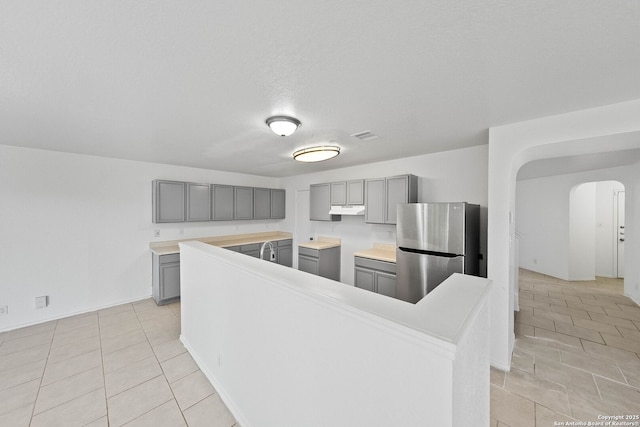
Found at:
<point>450,176</point>
<point>77,228</point>
<point>609,128</point>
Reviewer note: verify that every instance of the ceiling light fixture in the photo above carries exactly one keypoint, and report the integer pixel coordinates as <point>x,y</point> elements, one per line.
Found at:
<point>283,125</point>
<point>316,154</point>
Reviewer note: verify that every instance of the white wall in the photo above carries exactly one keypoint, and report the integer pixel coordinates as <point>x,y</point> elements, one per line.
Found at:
<point>284,348</point>
<point>542,215</point>
<point>582,232</point>
<point>609,128</point>
<point>457,175</point>
<point>567,226</point>
<point>77,228</point>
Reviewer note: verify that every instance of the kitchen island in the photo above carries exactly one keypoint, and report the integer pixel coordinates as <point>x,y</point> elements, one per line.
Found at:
<point>286,348</point>
<point>165,258</point>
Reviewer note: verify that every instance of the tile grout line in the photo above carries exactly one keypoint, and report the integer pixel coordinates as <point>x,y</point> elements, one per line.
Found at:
<point>46,363</point>
<point>163,373</point>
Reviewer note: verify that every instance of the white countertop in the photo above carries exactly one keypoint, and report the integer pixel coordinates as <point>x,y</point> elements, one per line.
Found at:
<point>442,315</point>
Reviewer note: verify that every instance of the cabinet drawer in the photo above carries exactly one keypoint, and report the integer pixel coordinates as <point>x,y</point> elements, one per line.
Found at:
<point>373,264</point>
<point>165,259</point>
<point>282,243</point>
<point>308,252</point>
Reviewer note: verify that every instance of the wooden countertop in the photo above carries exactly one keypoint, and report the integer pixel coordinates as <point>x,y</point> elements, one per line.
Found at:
<point>171,246</point>
<point>380,252</point>
<point>322,243</point>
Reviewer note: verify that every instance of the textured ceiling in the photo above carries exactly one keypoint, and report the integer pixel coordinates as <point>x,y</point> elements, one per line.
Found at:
<point>192,82</point>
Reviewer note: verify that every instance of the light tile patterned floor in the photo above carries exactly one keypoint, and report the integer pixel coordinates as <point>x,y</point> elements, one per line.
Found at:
<point>576,356</point>
<point>120,366</point>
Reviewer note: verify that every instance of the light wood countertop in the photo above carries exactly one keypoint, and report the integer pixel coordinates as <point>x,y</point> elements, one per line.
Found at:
<point>171,246</point>
<point>322,243</point>
<point>380,252</point>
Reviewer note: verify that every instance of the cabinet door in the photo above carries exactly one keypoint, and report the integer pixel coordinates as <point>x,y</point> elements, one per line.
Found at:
<point>397,189</point>
<point>386,284</point>
<point>339,193</point>
<point>355,192</point>
<point>198,202</point>
<point>310,265</point>
<point>222,202</point>
<point>319,202</point>
<point>261,203</point>
<point>243,203</point>
<point>278,203</point>
<point>169,201</point>
<point>285,255</point>
<point>374,201</point>
<point>364,279</point>
<point>169,281</point>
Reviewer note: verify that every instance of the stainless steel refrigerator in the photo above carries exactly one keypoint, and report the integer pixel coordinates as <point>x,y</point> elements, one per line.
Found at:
<point>435,240</point>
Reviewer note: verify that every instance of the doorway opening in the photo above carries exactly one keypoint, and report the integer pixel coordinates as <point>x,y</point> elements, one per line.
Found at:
<point>570,229</point>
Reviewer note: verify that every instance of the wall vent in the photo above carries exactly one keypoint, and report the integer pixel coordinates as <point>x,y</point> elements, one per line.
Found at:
<point>365,135</point>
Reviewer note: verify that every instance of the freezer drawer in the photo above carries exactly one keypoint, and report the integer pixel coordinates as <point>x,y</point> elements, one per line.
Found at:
<point>418,274</point>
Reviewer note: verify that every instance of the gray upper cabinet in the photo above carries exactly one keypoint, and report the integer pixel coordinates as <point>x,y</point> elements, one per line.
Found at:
<point>347,193</point>
<point>355,192</point>
<point>198,202</point>
<point>278,203</point>
<point>243,203</point>
<point>320,203</point>
<point>222,202</point>
<point>382,195</point>
<point>374,201</point>
<point>339,193</point>
<point>261,203</point>
<point>168,201</point>
<point>175,201</point>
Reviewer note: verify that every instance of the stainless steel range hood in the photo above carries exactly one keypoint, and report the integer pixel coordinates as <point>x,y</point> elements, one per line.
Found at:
<point>347,210</point>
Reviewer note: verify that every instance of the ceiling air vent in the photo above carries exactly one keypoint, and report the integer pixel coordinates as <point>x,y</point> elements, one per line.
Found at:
<point>365,135</point>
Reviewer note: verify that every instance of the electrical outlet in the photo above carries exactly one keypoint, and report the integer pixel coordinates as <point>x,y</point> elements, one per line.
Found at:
<point>42,302</point>
<point>219,359</point>
<point>182,231</point>
<point>156,233</point>
<point>4,310</point>
<point>535,260</point>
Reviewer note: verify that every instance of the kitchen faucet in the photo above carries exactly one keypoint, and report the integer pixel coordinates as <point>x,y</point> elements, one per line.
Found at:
<point>272,256</point>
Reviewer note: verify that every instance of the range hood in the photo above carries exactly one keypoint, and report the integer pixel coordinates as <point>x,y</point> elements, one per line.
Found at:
<point>347,210</point>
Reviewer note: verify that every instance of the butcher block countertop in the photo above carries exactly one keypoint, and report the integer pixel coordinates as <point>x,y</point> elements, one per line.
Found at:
<point>380,252</point>
<point>322,243</point>
<point>171,246</point>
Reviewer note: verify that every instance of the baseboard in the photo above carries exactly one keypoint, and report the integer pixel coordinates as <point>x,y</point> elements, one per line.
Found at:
<point>74,313</point>
<point>226,398</point>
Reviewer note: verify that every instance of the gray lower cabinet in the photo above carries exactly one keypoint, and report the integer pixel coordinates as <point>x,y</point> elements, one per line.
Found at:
<point>375,276</point>
<point>222,202</point>
<point>321,262</point>
<point>168,201</point>
<point>382,195</point>
<point>198,202</point>
<point>165,278</point>
<point>284,254</point>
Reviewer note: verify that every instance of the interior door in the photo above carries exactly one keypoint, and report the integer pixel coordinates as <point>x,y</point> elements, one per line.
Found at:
<point>620,231</point>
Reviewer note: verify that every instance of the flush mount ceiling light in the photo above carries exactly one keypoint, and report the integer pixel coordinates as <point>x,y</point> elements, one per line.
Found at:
<point>283,125</point>
<point>316,154</point>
